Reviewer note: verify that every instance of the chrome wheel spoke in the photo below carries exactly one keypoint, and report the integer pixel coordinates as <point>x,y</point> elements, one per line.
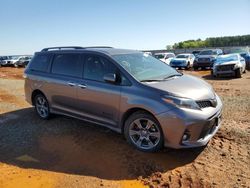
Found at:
<point>39,100</point>
<point>150,143</point>
<point>154,134</point>
<point>138,123</point>
<point>139,141</point>
<point>149,124</point>
<point>39,106</point>
<point>134,132</point>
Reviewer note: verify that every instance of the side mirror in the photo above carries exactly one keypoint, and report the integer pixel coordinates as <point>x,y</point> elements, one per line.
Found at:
<point>110,78</point>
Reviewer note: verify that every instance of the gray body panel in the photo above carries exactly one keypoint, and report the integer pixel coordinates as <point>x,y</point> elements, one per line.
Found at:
<point>107,104</point>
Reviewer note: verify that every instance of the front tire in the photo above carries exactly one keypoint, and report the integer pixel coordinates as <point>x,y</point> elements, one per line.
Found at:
<point>237,73</point>
<point>188,66</point>
<point>195,68</point>
<point>143,131</point>
<point>42,106</point>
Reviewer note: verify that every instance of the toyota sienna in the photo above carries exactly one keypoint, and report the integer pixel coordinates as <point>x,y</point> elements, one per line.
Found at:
<point>127,91</point>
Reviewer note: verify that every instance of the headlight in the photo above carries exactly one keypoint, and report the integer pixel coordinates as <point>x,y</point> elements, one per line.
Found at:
<point>237,65</point>
<point>181,102</point>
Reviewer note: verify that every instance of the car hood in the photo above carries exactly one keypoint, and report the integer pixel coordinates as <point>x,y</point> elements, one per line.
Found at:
<point>185,86</point>
<point>206,56</point>
<point>226,63</point>
<point>179,59</point>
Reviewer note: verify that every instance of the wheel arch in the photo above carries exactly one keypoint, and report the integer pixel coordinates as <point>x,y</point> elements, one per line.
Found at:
<point>34,93</point>
<point>131,111</point>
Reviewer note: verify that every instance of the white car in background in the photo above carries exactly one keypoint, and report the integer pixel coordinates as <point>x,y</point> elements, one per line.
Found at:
<point>231,64</point>
<point>183,61</point>
<point>165,57</point>
<point>148,53</point>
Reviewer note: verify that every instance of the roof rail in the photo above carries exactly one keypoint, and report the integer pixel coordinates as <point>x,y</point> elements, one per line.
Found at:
<point>61,47</point>
<point>98,47</point>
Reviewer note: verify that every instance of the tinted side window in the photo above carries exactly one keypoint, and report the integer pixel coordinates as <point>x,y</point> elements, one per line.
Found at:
<point>40,63</point>
<point>67,64</point>
<point>96,67</point>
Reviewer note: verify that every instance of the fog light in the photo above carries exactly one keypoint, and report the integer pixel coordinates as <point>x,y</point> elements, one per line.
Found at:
<point>185,136</point>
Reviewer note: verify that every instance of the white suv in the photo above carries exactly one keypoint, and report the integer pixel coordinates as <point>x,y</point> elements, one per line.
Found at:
<point>165,57</point>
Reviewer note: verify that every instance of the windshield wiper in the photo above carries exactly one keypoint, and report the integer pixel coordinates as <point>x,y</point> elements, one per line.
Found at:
<point>173,75</point>
<point>151,80</point>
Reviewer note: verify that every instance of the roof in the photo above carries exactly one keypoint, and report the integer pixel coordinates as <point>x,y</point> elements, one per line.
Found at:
<point>103,49</point>
<point>185,54</point>
<point>164,53</point>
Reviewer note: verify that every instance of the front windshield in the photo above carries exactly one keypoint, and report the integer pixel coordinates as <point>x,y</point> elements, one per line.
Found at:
<point>208,52</point>
<point>145,67</point>
<point>159,56</point>
<point>227,58</point>
<point>182,56</point>
<point>243,55</point>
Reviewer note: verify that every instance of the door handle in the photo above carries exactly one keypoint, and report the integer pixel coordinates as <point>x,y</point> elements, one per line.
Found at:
<point>71,84</point>
<point>83,86</point>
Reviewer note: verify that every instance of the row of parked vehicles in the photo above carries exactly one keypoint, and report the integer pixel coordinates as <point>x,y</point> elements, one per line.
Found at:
<point>15,61</point>
<point>221,64</point>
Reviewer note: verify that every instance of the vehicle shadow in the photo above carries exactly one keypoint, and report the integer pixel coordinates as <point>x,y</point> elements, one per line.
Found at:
<point>210,77</point>
<point>67,145</point>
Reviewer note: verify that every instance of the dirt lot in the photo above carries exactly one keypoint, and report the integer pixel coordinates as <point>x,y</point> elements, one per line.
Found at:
<point>64,152</point>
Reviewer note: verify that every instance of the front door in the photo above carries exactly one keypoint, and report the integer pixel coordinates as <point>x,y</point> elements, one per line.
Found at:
<point>99,100</point>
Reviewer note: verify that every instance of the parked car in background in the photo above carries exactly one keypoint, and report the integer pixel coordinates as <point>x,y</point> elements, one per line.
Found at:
<point>128,91</point>
<point>165,57</point>
<point>206,58</point>
<point>21,61</point>
<point>246,56</point>
<point>182,61</point>
<point>4,60</point>
<point>229,65</point>
<point>148,53</point>
<point>196,52</point>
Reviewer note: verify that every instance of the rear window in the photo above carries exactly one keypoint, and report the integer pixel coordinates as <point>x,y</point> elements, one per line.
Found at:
<point>67,64</point>
<point>40,63</point>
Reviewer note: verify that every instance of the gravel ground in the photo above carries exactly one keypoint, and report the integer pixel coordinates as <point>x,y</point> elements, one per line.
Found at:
<point>65,152</point>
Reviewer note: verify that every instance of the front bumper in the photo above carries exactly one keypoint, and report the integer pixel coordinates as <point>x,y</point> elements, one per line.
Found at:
<point>224,73</point>
<point>225,70</point>
<point>198,126</point>
<point>203,64</point>
<point>178,64</point>
<point>5,63</point>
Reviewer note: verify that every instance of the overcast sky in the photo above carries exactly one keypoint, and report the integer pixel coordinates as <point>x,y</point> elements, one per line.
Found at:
<point>30,25</point>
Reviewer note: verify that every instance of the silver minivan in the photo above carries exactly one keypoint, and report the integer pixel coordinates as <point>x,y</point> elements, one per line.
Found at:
<point>127,91</point>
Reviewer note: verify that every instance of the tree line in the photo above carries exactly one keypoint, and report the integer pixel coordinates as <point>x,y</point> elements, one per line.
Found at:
<point>243,40</point>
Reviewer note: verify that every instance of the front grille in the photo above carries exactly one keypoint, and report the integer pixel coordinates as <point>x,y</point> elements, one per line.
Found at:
<point>204,59</point>
<point>225,67</point>
<point>204,104</point>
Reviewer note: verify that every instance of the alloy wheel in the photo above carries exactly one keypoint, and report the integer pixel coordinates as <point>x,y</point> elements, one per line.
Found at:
<point>144,133</point>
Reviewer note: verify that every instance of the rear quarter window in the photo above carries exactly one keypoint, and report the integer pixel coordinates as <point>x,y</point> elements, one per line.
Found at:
<point>67,65</point>
<point>40,63</point>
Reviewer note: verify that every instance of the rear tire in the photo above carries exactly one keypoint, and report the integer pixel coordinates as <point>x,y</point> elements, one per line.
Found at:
<point>195,68</point>
<point>143,131</point>
<point>237,73</point>
<point>42,106</point>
